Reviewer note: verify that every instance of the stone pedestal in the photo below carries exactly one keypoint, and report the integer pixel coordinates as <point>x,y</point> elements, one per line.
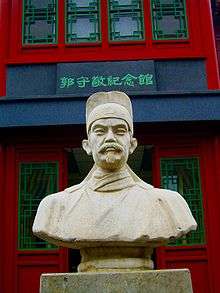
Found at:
<point>155,281</point>
<point>115,259</point>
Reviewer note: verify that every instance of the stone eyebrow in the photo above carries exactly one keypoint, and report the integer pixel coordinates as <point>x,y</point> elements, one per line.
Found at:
<point>98,125</point>
<point>120,125</point>
<point>124,126</point>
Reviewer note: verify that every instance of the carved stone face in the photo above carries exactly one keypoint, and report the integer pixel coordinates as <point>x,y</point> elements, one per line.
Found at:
<point>110,142</point>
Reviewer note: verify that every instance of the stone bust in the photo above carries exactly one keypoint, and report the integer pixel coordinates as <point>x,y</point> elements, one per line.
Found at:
<point>112,206</point>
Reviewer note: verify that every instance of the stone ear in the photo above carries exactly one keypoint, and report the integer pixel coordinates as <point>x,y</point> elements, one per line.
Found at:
<point>86,147</point>
<point>133,145</point>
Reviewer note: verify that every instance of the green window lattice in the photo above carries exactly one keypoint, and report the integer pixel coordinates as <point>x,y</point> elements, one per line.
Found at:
<point>169,19</point>
<point>82,21</point>
<point>183,175</point>
<point>36,180</point>
<point>39,22</point>
<point>126,21</point>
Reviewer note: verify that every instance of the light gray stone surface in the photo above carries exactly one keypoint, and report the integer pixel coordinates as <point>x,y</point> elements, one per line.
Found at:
<point>158,281</point>
<point>112,205</point>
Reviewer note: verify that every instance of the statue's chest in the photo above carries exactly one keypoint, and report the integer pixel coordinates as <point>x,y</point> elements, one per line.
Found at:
<point>108,216</point>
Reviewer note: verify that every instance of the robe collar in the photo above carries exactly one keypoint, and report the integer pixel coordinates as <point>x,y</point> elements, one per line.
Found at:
<point>102,181</point>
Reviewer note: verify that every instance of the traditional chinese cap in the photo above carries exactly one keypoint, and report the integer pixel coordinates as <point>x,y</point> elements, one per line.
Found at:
<point>109,105</point>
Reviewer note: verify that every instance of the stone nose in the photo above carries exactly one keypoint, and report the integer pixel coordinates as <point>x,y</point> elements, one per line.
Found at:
<point>110,137</point>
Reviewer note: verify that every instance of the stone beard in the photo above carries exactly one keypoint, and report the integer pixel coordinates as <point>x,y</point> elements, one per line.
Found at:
<point>112,206</point>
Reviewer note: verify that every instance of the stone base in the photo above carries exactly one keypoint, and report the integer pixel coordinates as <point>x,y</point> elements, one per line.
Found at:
<point>155,281</point>
<point>114,259</point>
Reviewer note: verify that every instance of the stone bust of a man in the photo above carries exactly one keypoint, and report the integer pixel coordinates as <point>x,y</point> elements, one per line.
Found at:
<point>112,206</point>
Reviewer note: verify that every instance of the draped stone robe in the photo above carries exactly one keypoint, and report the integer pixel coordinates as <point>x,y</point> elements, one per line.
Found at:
<point>112,208</point>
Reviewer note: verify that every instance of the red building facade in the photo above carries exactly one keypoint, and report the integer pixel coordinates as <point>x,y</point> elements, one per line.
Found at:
<point>53,55</point>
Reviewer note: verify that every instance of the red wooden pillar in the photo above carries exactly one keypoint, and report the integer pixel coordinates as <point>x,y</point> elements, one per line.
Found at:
<point>8,202</point>
<point>207,30</point>
<point>211,187</point>
<point>2,180</point>
<point>4,37</point>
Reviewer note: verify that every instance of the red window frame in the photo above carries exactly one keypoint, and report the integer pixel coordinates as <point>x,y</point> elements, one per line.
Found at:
<point>107,50</point>
<point>201,42</point>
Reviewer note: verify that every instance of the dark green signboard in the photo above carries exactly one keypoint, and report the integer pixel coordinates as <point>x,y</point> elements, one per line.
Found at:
<point>80,79</point>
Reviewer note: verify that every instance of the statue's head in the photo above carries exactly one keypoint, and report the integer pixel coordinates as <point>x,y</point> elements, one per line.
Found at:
<point>109,125</point>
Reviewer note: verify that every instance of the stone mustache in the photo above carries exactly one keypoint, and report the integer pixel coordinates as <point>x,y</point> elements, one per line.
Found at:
<point>112,216</point>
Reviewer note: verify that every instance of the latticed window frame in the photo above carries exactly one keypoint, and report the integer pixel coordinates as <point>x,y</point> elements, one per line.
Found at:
<point>48,246</point>
<point>129,41</point>
<point>183,241</point>
<point>126,40</point>
<point>85,42</point>
<point>39,43</point>
<point>154,31</point>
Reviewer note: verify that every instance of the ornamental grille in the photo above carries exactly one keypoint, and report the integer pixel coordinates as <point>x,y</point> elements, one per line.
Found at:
<point>36,180</point>
<point>82,21</point>
<point>39,21</point>
<point>183,175</point>
<point>126,21</point>
<point>169,19</point>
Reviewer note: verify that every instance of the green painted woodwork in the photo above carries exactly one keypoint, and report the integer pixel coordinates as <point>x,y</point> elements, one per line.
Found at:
<point>36,180</point>
<point>183,175</point>
<point>39,22</point>
<point>169,19</point>
<point>82,21</point>
<point>126,21</point>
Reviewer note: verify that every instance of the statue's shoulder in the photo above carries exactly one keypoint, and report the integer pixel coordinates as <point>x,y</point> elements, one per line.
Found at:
<point>177,207</point>
<point>61,196</point>
<point>49,210</point>
<point>160,193</point>
<point>53,198</point>
<point>144,185</point>
<point>60,199</point>
<point>171,198</point>
<point>76,187</point>
<point>168,194</point>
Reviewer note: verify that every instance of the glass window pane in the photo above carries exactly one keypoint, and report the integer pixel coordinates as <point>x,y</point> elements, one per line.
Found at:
<point>36,180</point>
<point>82,21</point>
<point>126,20</point>
<point>39,21</point>
<point>169,19</point>
<point>183,175</point>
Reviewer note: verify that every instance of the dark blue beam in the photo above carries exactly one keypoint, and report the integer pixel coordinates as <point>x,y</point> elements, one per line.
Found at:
<point>66,110</point>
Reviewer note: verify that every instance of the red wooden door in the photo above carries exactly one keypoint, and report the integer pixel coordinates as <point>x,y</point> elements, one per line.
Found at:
<point>32,173</point>
<point>2,179</point>
<point>180,169</point>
